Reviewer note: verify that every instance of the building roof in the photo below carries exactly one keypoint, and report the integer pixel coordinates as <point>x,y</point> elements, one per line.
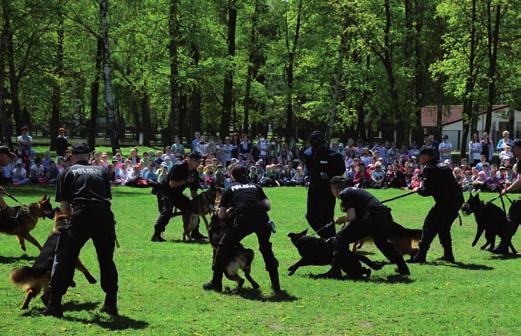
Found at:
<point>450,114</point>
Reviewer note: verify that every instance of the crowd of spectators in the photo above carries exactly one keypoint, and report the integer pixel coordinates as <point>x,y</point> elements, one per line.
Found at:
<point>273,162</point>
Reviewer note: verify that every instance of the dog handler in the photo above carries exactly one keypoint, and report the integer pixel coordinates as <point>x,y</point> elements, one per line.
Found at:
<point>170,194</point>
<point>514,213</point>
<point>84,194</point>
<point>321,165</point>
<point>248,203</point>
<point>440,183</point>
<point>367,217</point>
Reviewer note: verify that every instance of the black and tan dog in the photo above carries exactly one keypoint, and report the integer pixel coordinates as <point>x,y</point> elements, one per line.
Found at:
<point>201,205</point>
<point>489,219</point>
<point>241,258</point>
<point>36,278</point>
<point>318,251</point>
<point>404,239</point>
<point>21,220</point>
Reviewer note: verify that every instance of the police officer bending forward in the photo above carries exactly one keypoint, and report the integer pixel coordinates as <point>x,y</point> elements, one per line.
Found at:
<point>367,217</point>
<point>84,194</point>
<point>248,203</point>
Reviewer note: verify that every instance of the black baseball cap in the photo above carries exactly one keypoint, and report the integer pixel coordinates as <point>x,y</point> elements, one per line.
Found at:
<point>195,156</point>
<point>427,151</point>
<point>80,148</point>
<point>338,180</point>
<point>5,150</point>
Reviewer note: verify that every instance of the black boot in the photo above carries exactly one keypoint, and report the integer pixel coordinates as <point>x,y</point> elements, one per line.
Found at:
<point>216,284</point>
<point>502,248</point>
<point>403,269</point>
<point>111,304</point>
<point>197,235</point>
<point>448,255</point>
<point>156,237</point>
<point>275,284</point>
<point>54,307</point>
<point>420,257</point>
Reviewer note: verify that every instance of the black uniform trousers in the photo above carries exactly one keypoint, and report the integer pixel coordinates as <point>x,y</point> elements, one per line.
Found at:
<point>166,203</point>
<point>439,222</point>
<point>94,222</point>
<point>514,219</point>
<point>376,224</point>
<point>321,210</point>
<point>244,225</point>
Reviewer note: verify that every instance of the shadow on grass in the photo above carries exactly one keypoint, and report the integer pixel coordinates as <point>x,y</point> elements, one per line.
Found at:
<point>256,295</point>
<point>460,265</point>
<point>112,323</point>
<point>391,279</point>
<point>505,256</point>
<point>198,241</point>
<point>10,260</point>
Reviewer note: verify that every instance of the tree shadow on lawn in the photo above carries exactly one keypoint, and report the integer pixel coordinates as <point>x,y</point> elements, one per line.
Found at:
<point>256,295</point>
<point>470,267</point>
<point>10,260</point>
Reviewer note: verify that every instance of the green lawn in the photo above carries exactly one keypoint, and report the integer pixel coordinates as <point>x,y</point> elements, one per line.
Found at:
<point>160,284</point>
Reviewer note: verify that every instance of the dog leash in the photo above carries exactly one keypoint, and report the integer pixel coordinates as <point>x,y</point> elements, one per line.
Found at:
<point>398,197</point>
<point>12,197</point>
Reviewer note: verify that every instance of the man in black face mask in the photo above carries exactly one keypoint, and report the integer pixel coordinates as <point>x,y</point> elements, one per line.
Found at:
<point>322,164</point>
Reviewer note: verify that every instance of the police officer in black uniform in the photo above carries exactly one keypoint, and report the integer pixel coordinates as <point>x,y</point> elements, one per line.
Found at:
<point>170,193</point>
<point>248,203</point>
<point>514,213</point>
<point>367,217</point>
<point>84,194</point>
<point>322,164</point>
<point>438,182</point>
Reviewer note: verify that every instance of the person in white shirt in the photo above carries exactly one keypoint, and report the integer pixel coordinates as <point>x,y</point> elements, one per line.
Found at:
<point>474,149</point>
<point>505,141</point>
<point>445,149</point>
<point>262,144</point>
<point>506,155</point>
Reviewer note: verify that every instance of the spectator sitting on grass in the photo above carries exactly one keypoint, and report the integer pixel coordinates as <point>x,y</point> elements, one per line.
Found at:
<point>20,174</point>
<point>467,181</point>
<point>377,176</point>
<point>362,179</point>
<point>46,161</point>
<point>458,176</point>
<point>415,180</point>
<point>506,155</point>
<point>162,172</point>
<point>479,182</point>
<point>52,173</point>
<point>37,173</point>
<point>134,158</point>
<point>299,177</point>
<point>149,173</point>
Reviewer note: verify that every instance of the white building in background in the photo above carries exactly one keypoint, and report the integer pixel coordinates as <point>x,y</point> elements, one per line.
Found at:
<point>452,121</point>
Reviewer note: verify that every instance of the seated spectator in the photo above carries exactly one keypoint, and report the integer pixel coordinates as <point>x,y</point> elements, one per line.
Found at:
<point>20,174</point>
<point>37,174</point>
<point>482,161</point>
<point>299,178</point>
<point>362,179</point>
<point>134,158</point>
<point>377,176</point>
<point>492,183</point>
<point>149,173</point>
<point>395,177</point>
<point>415,180</point>
<point>458,175</point>
<point>162,172</point>
<point>467,182</point>
<point>52,173</point>
<point>479,181</point>
<point>46,161</point>
<point>506,155</point>
<point>134,178</point>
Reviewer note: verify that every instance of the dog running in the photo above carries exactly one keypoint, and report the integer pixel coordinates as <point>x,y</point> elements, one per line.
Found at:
<point>318,251</point>
<point>21,220</point>
<point>35,279</point>
<point>241,258</point>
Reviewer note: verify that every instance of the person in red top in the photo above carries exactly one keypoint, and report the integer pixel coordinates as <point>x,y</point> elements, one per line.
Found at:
<point>362,179</point>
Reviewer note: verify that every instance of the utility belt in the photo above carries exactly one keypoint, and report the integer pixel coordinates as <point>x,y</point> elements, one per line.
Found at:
<point>91,204</point>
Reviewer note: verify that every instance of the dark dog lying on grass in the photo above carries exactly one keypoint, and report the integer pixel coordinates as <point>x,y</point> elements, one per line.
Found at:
<point>241,258</point>
<point>318,251</point>
<point>489,219</point>
<point>36,278</point>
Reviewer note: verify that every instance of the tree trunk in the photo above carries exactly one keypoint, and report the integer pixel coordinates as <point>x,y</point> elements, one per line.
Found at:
<point>5,128</point>
<point>107,77</point>
<point>228,76</point>
<point>342,48</point>
<point>418,71</point>
<point>291,49</point>
<point>173,29</point>
<point>13,78</point>
<point>145,118</point>
<point>493,42</point>
<point>183,106</point>
<point>469,85</point>
<point>94,94</point>
<point>196,100</point>
<point>56,91</point>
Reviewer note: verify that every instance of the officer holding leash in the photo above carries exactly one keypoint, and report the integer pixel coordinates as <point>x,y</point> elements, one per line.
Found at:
<point>249,205</point>
<point>440,183</point>
<point>366,217</point>
<point>170,193</point>
<point>84,194</point>
<point>322,164</point>
<point>514,213</point>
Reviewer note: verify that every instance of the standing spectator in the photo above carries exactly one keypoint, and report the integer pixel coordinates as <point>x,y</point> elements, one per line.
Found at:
<point>474,149</point>
<point>487,147</point>
<point>195,141</point>
<point>245,148</point>
<point>62,143</point>
<point>177,148</point>
<point>263,144</point>
<point>445,149</point>
<point>202,147</point>
<point>505,141</point>
<point>25,142</point>
<point>226,151</point>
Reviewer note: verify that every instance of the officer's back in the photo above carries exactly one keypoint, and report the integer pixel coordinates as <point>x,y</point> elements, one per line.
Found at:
<point>243,197</point>
<point>84,184</point>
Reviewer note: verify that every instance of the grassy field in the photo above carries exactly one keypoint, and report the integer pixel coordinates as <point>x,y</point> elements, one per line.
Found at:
<point>160,284</point>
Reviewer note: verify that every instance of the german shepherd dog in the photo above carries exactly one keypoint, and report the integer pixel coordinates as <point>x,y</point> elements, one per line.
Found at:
<point>318,251</point>
<point>490,219</point>
<point>36,278</point>
<point>241,258</point>
<point>202,205</point>
<point>23,220</point>
<point>404,239</point>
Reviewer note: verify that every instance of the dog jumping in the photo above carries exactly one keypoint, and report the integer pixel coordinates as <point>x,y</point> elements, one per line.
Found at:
<point>19,221</point>
<point>241,258</point>
<point>319,251</point>
<point>35,279</point>
<point>490,219</point>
